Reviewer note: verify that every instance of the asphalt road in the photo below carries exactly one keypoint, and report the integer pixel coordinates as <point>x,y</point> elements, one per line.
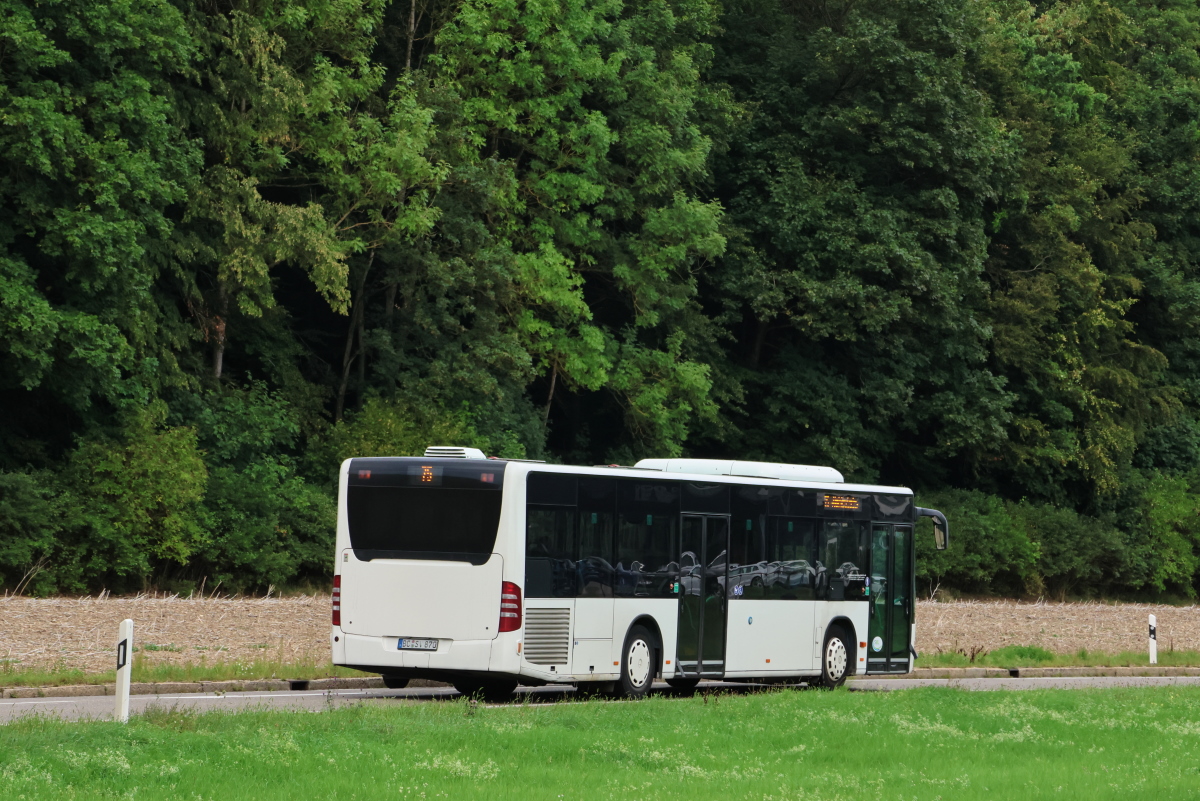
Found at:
<point>101,707</point>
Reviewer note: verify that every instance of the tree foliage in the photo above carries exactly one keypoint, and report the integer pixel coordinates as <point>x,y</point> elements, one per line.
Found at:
<point>945,244</point>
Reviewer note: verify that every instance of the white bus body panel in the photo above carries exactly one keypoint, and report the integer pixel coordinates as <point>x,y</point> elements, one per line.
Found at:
<point>769,636</point>
<point>594,618</point>
<point>421,598</point>
<point>592,639</point>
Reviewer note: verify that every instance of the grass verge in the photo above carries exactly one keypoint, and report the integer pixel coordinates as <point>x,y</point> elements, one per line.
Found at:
<point>143,670</point>
<point>1032,656</point>
<point>924,744</point>
<point>267,668</point>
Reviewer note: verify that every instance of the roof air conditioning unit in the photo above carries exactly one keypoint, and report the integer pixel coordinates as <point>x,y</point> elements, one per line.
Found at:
<point>454,452</point>
<point>725,467</point>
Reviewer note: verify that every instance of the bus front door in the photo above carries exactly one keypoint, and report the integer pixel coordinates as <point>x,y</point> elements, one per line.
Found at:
<point>702,566</point>
<point>891,613</point>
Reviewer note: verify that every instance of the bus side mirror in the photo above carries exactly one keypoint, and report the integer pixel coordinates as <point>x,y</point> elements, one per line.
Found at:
<point>940,537</point>
<point>941,528</point>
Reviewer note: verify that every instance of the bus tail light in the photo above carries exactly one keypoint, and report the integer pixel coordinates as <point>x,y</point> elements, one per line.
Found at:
<point>510,606</point>
<point>337,600</point>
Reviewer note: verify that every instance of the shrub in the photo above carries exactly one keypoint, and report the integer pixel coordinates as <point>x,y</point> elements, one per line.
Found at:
<point>34,511</point>
<point>386,427</point>
<point>990,549</point>
<point>140,495</point>
<point>265,524</point>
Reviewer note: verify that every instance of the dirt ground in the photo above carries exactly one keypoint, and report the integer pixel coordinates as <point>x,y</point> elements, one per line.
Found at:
<point>80,633</point>
<point>61,633</point>
<point>1059,627</point>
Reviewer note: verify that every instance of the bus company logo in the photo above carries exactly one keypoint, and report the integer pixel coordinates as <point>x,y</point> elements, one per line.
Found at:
<point>877,644</point>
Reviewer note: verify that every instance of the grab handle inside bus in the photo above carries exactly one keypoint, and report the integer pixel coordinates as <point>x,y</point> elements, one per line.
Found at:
<point>941,529</point>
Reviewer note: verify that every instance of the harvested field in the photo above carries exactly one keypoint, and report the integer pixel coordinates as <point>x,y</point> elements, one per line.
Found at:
<point>1062,628</point>
<point>78,633</point>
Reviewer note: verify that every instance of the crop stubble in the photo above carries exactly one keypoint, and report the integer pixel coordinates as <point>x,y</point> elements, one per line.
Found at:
<point>78,633</point>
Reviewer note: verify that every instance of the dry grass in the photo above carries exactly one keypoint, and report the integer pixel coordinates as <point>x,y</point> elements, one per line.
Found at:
<point>1062,628</point>
<point>60,634</point>
<point>80,633</point>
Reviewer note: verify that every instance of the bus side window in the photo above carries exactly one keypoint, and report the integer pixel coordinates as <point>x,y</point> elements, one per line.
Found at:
<point>549,552</point>
<point>597,513</point>
<point>647,538</point>
<point>747,544</point>
<point>842,554</point>
<point>791,559</point>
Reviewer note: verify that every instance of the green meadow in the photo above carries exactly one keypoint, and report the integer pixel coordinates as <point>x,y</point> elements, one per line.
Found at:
<point>788,744</point>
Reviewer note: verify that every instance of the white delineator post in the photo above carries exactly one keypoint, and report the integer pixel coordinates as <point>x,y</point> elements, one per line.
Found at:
<point>1153,640</point>
<point>124,666</point>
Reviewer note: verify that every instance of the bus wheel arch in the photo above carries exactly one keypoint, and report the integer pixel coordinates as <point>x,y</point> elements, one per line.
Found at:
<point>839,629</point>
<point>651,625</point>
<point>636,677</point>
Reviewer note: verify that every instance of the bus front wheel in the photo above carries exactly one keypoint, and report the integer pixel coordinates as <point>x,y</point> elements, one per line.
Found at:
<point>637,663</point>
<point>835,658</point>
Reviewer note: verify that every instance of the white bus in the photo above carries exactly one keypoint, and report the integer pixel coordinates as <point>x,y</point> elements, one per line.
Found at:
<point>486,573</point>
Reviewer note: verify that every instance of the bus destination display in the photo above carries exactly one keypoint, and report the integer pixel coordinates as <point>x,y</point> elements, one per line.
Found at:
<point>845,503</point>
<point>425,475</point>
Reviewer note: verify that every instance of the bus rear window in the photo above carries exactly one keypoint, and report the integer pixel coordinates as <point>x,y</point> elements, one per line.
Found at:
<point>411,523</point>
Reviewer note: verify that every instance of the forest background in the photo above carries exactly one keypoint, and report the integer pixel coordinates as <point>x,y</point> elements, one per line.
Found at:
<point>950,244</point>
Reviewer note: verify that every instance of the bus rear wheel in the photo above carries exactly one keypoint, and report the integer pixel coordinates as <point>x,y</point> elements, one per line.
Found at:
<point>835,658</point>
<point>637,664</point>
<point>492,691</point>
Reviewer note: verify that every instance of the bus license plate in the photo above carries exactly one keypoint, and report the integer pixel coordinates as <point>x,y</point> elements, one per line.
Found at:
<point>410,644</point>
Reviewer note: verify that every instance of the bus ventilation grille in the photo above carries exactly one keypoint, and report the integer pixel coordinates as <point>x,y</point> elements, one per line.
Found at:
<point>547,636</point>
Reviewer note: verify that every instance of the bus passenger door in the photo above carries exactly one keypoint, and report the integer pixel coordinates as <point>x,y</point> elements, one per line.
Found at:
<point>891,613</point>
<point>704,552</point>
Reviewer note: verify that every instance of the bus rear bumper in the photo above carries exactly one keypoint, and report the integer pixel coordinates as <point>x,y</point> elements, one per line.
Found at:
<point>382,653</point>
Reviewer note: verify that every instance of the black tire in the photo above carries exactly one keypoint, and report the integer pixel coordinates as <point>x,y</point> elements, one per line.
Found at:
<point>395,682</point>
<point>686,685</point>
<point>836,656</point>
<point>494,691</point>
<point>638,663</point>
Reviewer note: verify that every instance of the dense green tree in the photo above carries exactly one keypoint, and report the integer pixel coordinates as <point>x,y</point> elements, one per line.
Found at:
<point>569,228</point>
<point>1065,253</point>
<point>92,161</point>
<point>946,243</point>
<point>859,184</point>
